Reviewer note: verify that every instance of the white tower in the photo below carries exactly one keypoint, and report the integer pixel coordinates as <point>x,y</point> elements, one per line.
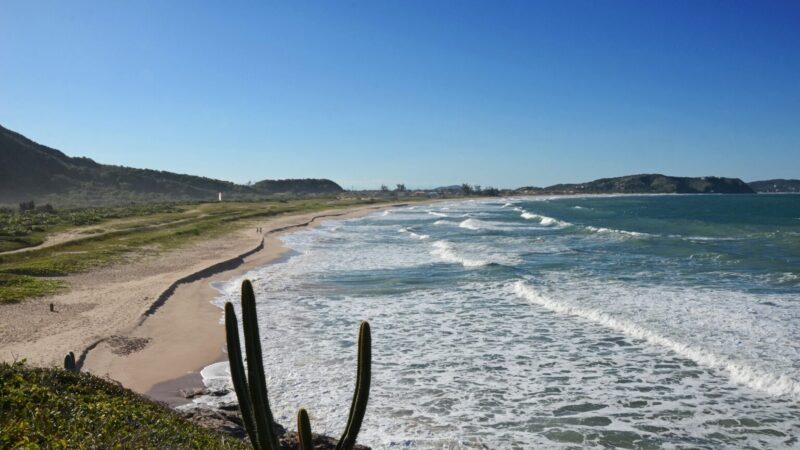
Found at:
<point>220,196</point>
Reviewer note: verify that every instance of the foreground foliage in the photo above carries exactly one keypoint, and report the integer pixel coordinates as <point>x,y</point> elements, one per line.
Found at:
<point>54,408</point>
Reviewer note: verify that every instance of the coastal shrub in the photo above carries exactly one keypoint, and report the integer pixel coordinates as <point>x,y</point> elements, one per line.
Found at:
<point>54,408</point>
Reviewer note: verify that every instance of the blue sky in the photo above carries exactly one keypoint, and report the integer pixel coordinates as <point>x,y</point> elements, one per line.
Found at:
<point>426,93</point>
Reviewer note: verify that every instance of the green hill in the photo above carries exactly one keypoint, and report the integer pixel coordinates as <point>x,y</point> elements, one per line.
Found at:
<point>651,184</point>
<point>778,185</point>
<point>31,171</point>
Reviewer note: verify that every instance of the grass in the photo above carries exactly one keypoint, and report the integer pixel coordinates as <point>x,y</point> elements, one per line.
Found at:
<point>53,408</point>
<point>19,287</point>
<point>124,234</point>
<point>29,228</point>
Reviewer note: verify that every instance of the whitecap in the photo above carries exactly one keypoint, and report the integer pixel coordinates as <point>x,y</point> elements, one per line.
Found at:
<point>543,220</point>
<point>764,381</point>
<point>471,224</point>
<point>445,251</point>
<point>615,231</point>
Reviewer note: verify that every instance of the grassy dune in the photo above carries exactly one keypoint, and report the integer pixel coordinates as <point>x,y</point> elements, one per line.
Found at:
<point>53,408</point>
<point>98,237</point>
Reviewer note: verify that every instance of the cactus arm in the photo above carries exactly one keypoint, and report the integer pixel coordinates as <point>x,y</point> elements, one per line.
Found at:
<point>268,439</point>
<point>304,431</point>
<point>238,373</point>
<point>361,395</point>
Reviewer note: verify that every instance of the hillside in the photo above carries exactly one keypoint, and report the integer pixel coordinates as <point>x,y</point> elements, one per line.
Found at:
<point>650,184</point>
<point>31,171</point>
<point>53,408</point>
<point>778,185</point>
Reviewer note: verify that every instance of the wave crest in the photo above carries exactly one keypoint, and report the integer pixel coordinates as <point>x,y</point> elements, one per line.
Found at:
<point>445,251</point>
<point>754,378</point>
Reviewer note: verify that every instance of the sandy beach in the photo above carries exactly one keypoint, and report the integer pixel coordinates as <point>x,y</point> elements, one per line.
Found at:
<point>102,317</point>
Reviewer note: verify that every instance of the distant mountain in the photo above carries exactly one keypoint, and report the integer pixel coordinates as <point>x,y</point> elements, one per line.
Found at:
<point>650,184</point>
<point>298,186</point>
<point>779,185</point>
<point>30,171</point>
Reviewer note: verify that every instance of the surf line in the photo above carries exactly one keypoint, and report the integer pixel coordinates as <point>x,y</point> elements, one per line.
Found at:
<point>214,269</point>
<point>756,379</point>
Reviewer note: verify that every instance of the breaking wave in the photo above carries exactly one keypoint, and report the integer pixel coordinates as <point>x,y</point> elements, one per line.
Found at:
<point>754,378</point>
<point>445,251</point>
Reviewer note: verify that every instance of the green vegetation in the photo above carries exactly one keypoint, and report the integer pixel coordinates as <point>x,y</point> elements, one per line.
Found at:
<point>30,171</point>
<point>251,386</point>
<point>121,233</point>
<point>18,287</point>
<point>54,408</point>
<point>27,227</point>
<point>779,185</point>
<point>648,184</point>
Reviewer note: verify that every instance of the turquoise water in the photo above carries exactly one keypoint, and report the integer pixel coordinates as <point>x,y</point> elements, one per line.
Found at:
<point>570,322</point>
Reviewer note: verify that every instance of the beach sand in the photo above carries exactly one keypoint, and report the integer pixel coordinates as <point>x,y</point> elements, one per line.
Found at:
<point>103,311</point>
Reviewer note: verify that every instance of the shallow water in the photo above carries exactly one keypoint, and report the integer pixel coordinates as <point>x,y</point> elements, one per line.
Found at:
<point>632,322</point>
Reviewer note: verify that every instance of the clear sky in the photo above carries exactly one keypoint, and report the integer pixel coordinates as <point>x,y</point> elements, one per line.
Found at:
<point>427,93</point>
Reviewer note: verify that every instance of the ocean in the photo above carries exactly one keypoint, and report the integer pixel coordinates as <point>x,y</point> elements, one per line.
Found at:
<point>666,321</point>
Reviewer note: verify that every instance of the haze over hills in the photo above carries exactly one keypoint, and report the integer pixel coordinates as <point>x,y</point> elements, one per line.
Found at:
<point>31,171</point>
<point>778,185</point>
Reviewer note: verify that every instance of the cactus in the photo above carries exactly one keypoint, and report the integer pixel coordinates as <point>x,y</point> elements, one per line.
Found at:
<point>361,395</point>
<point>251,387</point>
<point>250,390</point>
<point>306,442</point>
<point>69,362</point>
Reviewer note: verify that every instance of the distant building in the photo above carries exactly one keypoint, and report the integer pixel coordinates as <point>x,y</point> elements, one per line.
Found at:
<point>220,196</point>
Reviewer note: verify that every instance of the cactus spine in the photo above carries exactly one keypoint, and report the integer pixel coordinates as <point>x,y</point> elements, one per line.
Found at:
<point>304,431</point>
<point>251,387</point>
<point>69,363</point>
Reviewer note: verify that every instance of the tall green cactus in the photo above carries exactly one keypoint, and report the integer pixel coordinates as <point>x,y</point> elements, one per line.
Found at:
<point>251,390</point>
<point>361,395</point>
<point>69,362</point>
<point>251,387</point>
<point>304,438</point>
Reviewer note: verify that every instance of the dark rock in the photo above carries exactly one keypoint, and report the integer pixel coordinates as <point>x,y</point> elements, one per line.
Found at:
<point>227,420</point>
<point>193,392</point>
<point>222,421</point>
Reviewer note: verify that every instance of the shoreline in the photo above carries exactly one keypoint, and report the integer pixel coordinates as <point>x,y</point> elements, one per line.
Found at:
<point>172,357</point>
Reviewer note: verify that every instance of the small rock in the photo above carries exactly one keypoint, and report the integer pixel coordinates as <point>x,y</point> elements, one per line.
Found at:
<point>193,392</point>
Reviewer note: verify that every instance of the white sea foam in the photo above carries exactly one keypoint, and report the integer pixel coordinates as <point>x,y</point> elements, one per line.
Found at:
<point>463,361</point>
<point>437,214</point>
<point>421,237</point>
<point>445,251</point>
<point>706,238</point>
<point>471,224</point>
<point>543,220</point>
<point>614,231</point>
<point>755,378</point>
